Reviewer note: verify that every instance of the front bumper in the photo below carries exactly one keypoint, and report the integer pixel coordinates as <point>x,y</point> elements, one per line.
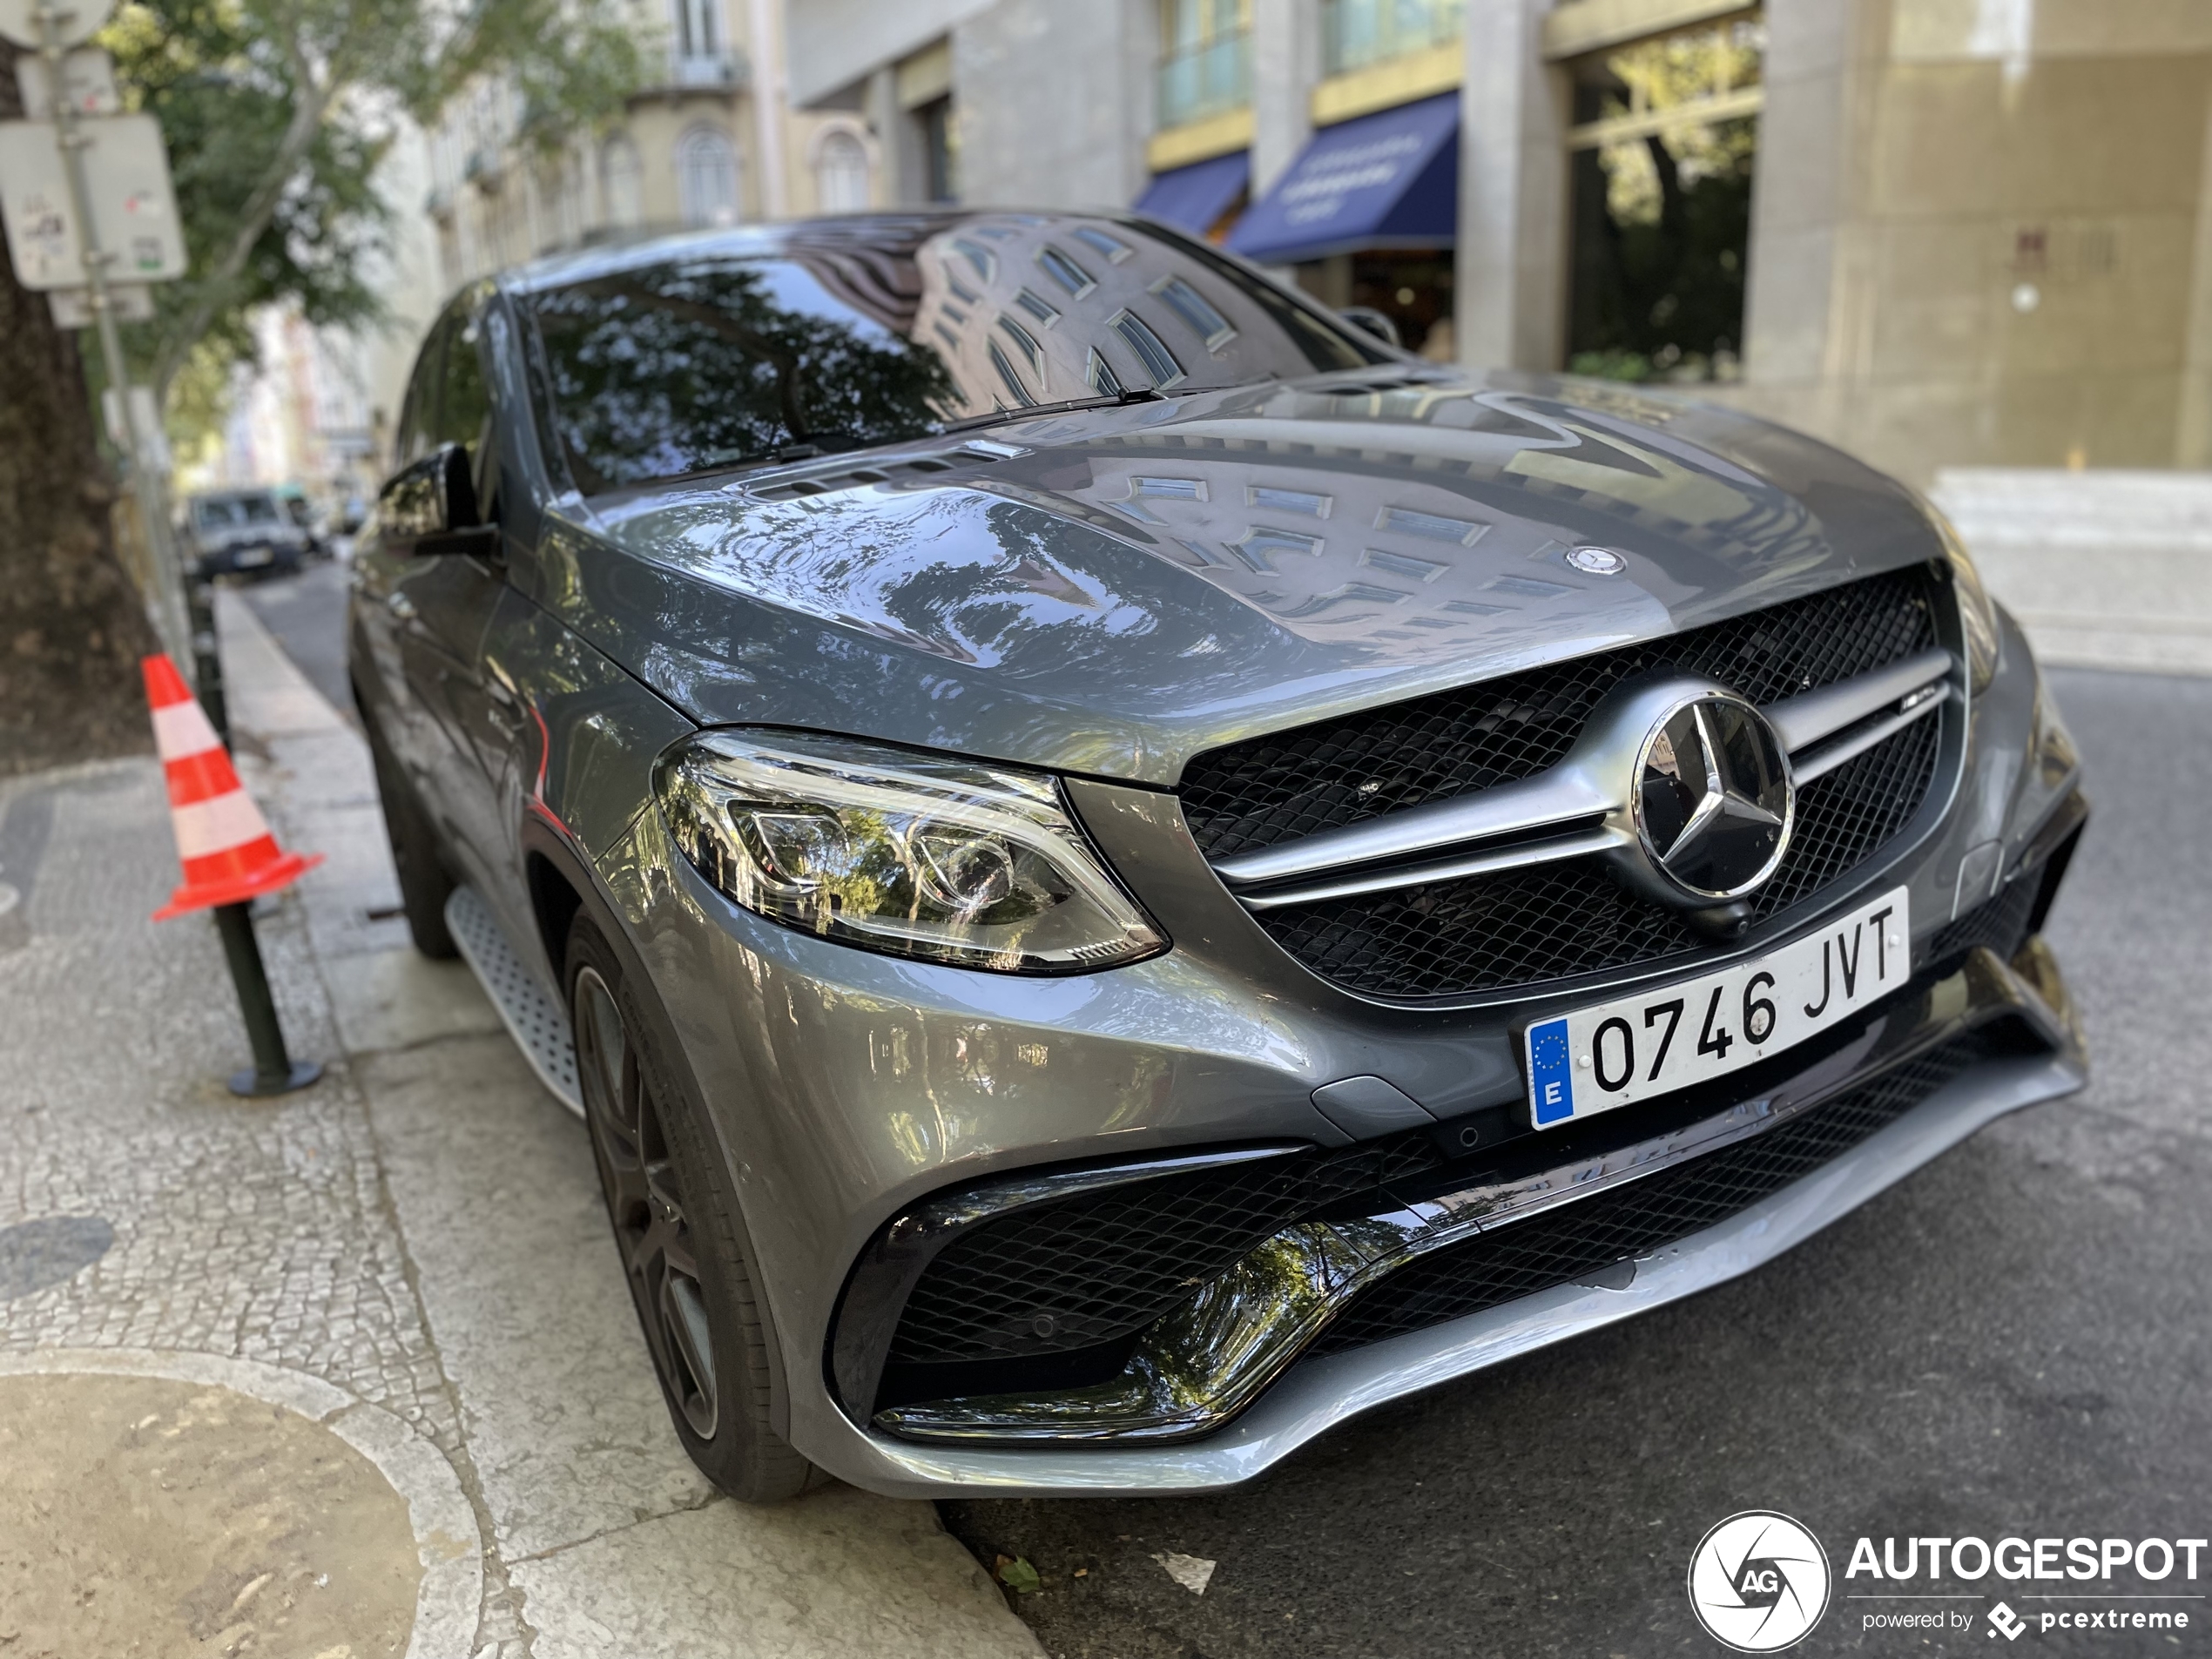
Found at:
<point>1091,1448</point>
<point>853,1089</point>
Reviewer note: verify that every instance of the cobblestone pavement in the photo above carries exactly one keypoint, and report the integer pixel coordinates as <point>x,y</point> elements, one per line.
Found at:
<point>259,1231</point>
<point>421,1228</point>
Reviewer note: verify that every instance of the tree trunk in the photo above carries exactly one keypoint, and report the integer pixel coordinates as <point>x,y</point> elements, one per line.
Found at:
<point>71,625</point>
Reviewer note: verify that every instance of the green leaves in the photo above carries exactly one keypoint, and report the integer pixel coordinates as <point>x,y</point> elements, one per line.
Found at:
<point>277,113</point>
<point>1015,1573</point>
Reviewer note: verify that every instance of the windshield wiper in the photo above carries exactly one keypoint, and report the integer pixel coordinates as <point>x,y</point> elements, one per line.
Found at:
<point>1065,406</point>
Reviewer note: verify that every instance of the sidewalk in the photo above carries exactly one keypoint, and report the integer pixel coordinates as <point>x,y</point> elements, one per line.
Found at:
<point>410,1260</point>
<point>2106,569</point>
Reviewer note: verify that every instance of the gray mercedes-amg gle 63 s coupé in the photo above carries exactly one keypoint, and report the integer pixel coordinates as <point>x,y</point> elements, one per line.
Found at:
<point>1135,872</point>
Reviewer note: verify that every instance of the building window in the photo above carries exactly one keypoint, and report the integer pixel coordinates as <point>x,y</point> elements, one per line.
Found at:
<point>1662,150</point>
<point>706,177</point>
<point>840,173</point>
<point>621,182</point>
<point>1205,60</point>
<point>939,150</point>
<point>699,29</point>
<point>1355,33</point>
<point>556,190</point>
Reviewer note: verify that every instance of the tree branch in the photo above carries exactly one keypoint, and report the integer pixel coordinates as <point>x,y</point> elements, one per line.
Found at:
<point>260,207</point>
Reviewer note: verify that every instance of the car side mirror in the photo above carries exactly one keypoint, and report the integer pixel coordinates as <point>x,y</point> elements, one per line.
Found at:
<point>429,508</point>
<point>1368,320</point>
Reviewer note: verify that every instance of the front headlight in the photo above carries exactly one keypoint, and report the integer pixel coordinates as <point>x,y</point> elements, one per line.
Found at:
<point>981,867</point>
<point>1976,610</point>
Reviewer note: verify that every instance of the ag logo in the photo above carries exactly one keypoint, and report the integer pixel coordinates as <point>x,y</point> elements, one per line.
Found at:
<point>1758,1582</point>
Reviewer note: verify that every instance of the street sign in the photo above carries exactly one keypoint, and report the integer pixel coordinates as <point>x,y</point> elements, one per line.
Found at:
<point>133,211</point>
<point>76,20</point>
<point>88,83</point>
<point>72,308</point>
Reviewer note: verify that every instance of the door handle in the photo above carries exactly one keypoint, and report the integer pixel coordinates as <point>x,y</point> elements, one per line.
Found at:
<point>400,606</point>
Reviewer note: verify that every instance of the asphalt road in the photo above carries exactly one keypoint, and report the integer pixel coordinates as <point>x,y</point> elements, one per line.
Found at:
<point>2016,1341</point>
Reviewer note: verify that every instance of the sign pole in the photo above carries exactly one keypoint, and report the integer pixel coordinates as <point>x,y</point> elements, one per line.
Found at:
<point>166,607</point>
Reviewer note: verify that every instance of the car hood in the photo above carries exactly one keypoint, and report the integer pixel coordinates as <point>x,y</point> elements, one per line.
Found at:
<point>1112,591</point>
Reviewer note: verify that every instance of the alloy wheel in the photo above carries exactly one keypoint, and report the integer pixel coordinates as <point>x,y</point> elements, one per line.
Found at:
<point>647,1202</point>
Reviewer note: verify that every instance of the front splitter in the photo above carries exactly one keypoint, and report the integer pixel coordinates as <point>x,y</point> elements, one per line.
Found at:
<point>1315,1395</point>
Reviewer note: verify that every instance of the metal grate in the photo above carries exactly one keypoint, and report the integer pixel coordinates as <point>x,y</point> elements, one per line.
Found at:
<point>2000,923</point>
<point>1586,1237</point>
<point>1556,921</point>
<point>539,1024</point>
<point>1059,1276</point>
<point>1289,783</point>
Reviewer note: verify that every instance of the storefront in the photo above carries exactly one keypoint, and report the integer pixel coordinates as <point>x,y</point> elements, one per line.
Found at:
<point>1205,198</point>
<point>1662,151</point>
<point>1367,214</point>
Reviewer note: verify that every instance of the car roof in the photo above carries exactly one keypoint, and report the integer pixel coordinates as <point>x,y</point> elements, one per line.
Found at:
<point>847,230</point>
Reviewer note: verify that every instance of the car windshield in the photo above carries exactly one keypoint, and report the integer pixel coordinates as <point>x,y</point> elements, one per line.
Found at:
<point>232,511</point>
<point>847,334</point>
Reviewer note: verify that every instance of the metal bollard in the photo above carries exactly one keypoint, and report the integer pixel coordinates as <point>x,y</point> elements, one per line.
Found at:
<point>273,1071</point>
<point>208,656</point>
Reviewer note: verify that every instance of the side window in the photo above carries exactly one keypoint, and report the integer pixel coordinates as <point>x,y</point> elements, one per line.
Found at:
<point>419,414</point>
<point>464,408</point>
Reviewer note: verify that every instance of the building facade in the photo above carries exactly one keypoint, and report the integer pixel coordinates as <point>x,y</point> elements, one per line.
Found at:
<point>1938,231</point>
<point>709,138</point>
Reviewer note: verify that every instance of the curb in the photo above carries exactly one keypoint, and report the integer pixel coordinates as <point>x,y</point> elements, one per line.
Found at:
<point>447,1542</point>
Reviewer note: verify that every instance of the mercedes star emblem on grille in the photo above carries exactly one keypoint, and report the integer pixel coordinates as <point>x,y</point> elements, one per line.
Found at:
<point>1713,799</point>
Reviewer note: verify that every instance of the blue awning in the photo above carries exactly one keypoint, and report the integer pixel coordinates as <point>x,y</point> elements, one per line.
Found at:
<point>1193,197</point>
<point>1389,179</point>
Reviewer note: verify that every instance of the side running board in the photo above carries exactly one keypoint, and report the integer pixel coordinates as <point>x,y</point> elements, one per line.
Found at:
<point>539,1024</point>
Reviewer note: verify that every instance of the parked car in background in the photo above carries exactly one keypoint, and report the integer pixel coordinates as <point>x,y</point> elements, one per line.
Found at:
<point>305,518</point>
<point>1135,870</point>
<point>243,532</point>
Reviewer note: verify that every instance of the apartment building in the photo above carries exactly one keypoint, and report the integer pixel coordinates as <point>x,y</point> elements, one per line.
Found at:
<point>1939,232</point>
<point>709,138</point>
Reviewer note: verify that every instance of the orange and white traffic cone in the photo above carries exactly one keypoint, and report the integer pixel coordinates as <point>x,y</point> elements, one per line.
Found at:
<point>222,840</point>
<point>229,859</point>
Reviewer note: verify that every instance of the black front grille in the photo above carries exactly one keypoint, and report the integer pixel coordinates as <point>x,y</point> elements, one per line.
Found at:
<point>1592,1234</point>
<point>1091,1269</point>
<point>2001,923</point>
<point>1548,922</point>
<point>1100,1267</point>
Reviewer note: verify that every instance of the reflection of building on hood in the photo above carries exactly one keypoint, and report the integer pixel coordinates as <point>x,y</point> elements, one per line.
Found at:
<point>1470,552</point>
<point>1352,556</point>
<point>997,290</point>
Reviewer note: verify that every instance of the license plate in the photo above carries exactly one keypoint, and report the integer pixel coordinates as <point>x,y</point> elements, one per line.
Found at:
<point>1615,1054</point>
<point>257,556</point>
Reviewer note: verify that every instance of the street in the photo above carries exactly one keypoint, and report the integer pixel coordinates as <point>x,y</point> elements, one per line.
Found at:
<point>1997,1347</point>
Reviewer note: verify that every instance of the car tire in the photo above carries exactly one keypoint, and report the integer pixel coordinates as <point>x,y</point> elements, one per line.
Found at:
<point>674,1212</point>
<point>424,884</point>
